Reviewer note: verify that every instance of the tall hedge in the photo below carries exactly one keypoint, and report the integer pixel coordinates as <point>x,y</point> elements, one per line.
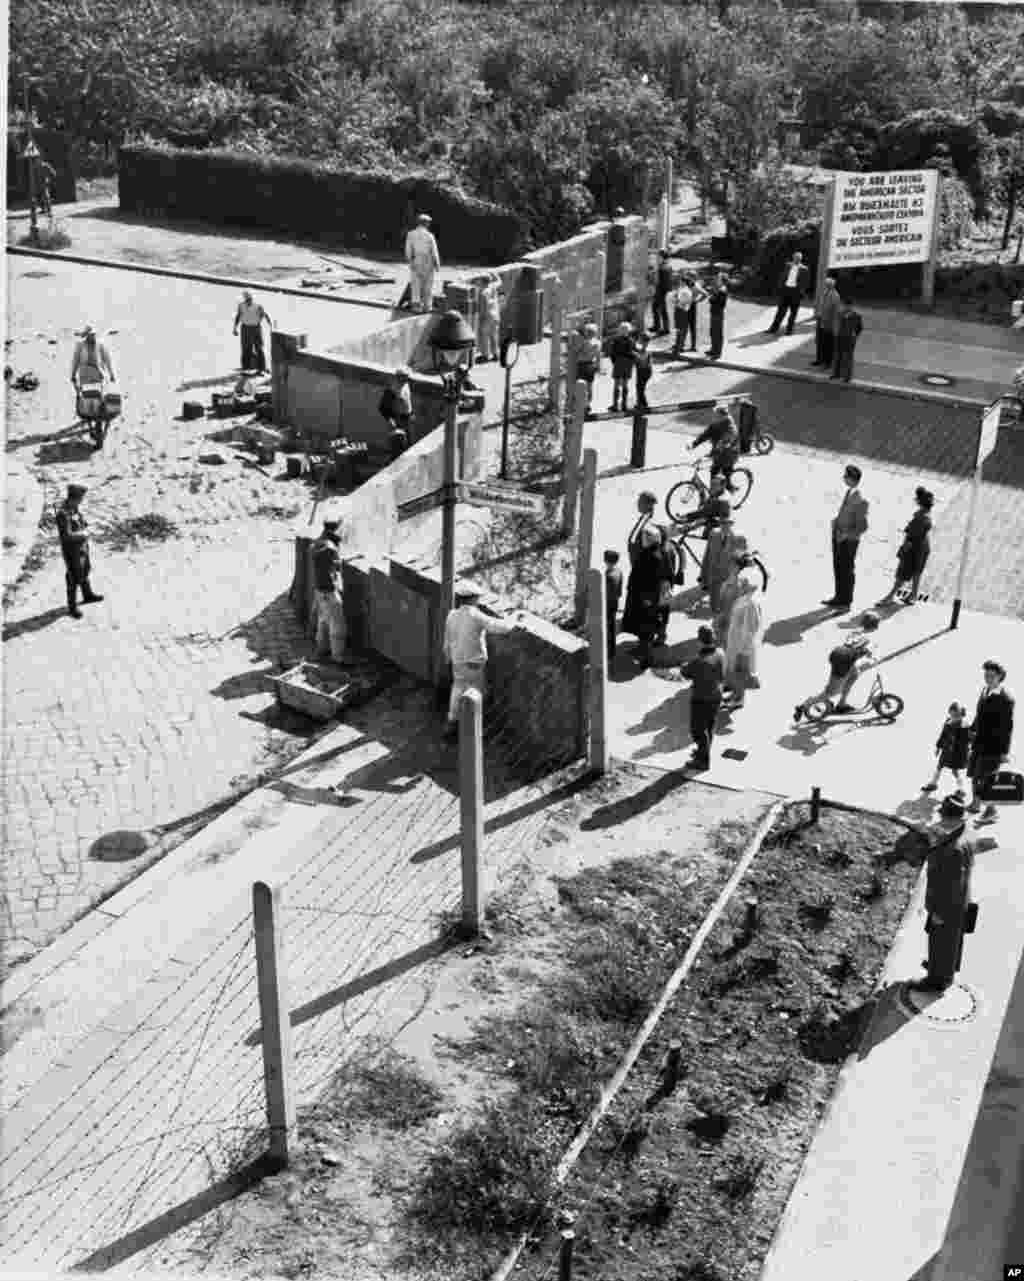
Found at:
<point>371,211</point>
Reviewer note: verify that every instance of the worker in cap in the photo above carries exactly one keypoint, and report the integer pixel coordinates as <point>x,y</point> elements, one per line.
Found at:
<point>465,647</point>
<point>73,532</point>
<point>328,603</point>
<point>424,262</point>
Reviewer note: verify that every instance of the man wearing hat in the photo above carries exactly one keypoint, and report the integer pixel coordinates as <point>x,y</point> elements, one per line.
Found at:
<point>330,612</point>
<point>465,647</point>
<point>89,364</point>
<point>74,547</point>
<point>424,261</point>
<point>707,674</point>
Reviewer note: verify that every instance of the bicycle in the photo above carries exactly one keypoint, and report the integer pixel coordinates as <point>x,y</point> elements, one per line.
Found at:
<point>684,499</point>
<point>885,706</point>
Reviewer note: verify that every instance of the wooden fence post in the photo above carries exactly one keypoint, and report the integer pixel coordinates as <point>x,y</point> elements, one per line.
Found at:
<point>567,1235</point>
<point>585,542</point>
<point>815,804</point>
<point>557,319</point>
<point>597,632</point>
<point>275,1021</point>
<point>471,808</point>
<point>571,459</point>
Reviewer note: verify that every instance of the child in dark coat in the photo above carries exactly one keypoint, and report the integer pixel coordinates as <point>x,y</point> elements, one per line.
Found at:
<point>623,357</point>
<point>952,749</point>
<point>642,363</point>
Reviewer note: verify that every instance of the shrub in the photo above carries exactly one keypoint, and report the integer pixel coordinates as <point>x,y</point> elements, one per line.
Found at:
<point>372,210</point>
<point>776,248</point>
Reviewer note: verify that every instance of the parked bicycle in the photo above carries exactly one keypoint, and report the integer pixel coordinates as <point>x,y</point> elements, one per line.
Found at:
<point>884,705</point>
<point>684,500</point>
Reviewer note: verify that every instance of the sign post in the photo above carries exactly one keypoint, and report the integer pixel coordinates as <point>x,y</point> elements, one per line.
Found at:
<point>988,432</point>
<point>828,206</point>
<point>928,270</point>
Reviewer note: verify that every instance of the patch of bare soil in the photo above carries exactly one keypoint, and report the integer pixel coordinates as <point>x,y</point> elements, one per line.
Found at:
<point>691,1185</point>
<point>434,1144</point>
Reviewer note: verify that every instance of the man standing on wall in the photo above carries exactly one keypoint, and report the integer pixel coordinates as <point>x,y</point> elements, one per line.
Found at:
<point>250,316</point>
<point>465,647</point>
<point>424,262</point>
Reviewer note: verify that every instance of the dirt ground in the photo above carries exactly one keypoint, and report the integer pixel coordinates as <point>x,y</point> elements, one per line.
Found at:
<point>342,1209</point>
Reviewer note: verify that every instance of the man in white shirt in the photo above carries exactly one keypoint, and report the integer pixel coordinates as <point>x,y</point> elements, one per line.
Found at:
<point>250,315</point>
<point>424,261</point>
<point>465,647</point>
<point>792,287</point>
<point>682,301</point>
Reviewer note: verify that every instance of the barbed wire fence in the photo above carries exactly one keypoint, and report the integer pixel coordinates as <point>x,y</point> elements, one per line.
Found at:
<point>105,1141</point>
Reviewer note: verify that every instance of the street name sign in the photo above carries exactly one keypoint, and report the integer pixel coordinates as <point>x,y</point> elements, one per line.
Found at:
<point>424,503</point>
<point>502,497</point>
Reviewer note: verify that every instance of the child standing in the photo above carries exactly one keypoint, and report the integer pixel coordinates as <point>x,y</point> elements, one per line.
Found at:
<point>588,360</point>
<point>642,361</point>
<point>612,596</point>
<point>622,353</point>
<point>952,749</point>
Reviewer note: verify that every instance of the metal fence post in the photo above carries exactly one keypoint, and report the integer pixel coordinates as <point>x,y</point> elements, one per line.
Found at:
<point>597,632</point>
<point>571,460</point>
<point>471,808</point>
<point>275,1021</point>
<point>585,543</point>
<point>815,804</point>
<point>567,1235</point>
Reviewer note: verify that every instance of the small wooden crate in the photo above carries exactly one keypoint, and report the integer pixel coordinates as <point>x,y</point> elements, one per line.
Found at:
<point>306,689</point>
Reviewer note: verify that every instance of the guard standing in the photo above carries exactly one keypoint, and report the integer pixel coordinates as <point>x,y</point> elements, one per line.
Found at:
<point>74,546</point>
<point>951,914</point>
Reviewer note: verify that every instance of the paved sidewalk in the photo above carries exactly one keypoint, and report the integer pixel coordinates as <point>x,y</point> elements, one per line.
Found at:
<point>133,1072</point>
<point>22,504</point>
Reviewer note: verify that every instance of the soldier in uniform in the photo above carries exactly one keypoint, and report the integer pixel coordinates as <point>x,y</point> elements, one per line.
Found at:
<point>74,547</point>
<point>947,902</point>
<point>330,612</point>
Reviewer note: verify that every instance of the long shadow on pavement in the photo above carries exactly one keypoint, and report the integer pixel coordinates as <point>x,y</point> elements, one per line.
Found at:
<point>621,811</point>
<point>790,631</point>
<point>35,624</point>
<point>178,1217</point>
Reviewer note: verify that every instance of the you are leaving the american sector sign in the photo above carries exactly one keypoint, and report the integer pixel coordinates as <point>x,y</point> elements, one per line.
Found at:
<point>880,218</point>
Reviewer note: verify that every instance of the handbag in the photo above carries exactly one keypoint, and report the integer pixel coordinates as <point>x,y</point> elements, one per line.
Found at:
<point>1004,785</point>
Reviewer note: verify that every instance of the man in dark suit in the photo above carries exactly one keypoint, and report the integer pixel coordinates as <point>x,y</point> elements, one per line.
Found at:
<point>991,734</point>
<point>848,326</point>
<point>792,287</point>
<point>848,527</point>
<point>663,282</point>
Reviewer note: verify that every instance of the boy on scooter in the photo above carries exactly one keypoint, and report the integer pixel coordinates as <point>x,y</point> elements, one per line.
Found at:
<point>846,663</point>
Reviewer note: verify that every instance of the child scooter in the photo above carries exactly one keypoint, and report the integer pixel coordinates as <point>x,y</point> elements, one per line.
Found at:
<point>884,705</point>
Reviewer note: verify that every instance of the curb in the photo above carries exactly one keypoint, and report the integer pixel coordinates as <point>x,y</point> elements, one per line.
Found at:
<point>880,389</point>
<point>229,282</point>
<point>610,1091</point>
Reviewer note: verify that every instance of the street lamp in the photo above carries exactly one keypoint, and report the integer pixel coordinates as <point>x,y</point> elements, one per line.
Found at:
<point>452,343</point>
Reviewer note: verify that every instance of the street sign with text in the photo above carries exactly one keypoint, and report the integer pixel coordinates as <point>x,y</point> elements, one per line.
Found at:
<point>501,497</point>
<point>424,503</point>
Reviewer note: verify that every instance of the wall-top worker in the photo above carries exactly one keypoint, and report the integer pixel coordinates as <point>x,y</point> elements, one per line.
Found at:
<point>424,261</point>
<point>465,647</point>
<point>250,317</point>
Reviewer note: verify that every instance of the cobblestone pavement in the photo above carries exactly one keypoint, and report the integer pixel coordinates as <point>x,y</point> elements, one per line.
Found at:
<point>147,709</point>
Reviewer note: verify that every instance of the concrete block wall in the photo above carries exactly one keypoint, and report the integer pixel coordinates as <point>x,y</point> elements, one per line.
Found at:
<point>326,395</point>
<point>537,676</point>
<point>369,515</point>
<point>405,341</point>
